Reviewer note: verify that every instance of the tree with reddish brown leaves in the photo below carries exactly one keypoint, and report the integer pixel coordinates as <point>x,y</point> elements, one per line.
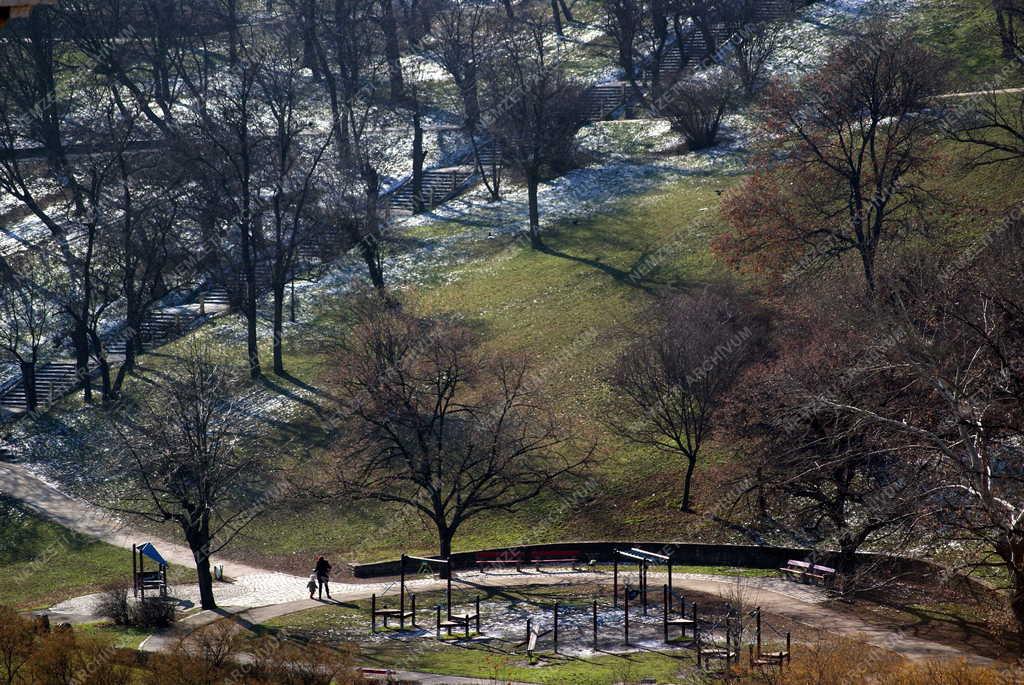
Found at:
<point>853,138</point>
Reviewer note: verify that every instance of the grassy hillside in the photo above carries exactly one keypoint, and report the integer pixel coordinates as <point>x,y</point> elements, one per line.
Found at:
<point>42,563</point>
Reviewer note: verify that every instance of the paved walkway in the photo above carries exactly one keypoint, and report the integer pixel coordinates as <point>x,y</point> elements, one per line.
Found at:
<point>20,483</point>
<point>257,595</point>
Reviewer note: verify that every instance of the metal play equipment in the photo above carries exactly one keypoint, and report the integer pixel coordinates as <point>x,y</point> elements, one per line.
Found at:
<point>668,620</point>
<point>451,620</point>
<point>643,560</point>
<point>400,613</point>
<point>142,579</point>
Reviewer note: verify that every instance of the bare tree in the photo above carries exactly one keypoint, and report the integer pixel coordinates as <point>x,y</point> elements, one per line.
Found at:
<point>1010,25</point>
<point>349,47</point>
<point>290,169</point>
<point>995,126</point>
<point>856,132</point>
<point>817,476</point>
<point>750,57</point>
<point>672,380</point>
<point>226,151</point>
<point>441,427</point>
<point>958,335</point>
<point>188,459</point>
<point>696,104</point>
<point>539,112</point>
<point>27,316</point>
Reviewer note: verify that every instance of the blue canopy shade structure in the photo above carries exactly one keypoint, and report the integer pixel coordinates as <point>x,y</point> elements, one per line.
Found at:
<point>150,551</point>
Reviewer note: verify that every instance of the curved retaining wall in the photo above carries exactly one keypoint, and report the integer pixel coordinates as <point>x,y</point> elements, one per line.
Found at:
<point>682,553</point>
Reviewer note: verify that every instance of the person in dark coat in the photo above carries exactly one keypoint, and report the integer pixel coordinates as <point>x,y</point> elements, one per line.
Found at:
<point>323,576</point>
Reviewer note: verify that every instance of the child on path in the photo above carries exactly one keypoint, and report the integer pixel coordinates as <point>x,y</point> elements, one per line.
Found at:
<point>311,585</point>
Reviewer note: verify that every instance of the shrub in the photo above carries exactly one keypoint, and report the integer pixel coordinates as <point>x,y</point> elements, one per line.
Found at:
<point>150,613</point>
<point>115,606</point>
<point>154,613</point>
<point>695,105</point>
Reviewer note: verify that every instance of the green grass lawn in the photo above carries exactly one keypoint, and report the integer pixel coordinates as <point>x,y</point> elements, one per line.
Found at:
<point>42,563</point>
<point>965,32</point>
<point>122,637</point>
<point>565,308</point>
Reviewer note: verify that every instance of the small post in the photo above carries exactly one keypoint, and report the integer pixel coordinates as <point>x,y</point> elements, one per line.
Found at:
<point>293,300</point>
<point>202,304</point>
<point>788,649</point>
<point>615,580</point>
<point>697,638</point>
<point>728,640</point>
<point>664,612</point>
<point>625,604</point>
<point>135,573</point>
<point>757,615</point>
<point>556,627</point>
<point>643,585</point>
<point>437,610</point>
<point>448,593</point>
<point>401,594</point>
<point>478,615</point>
<point>670,577</point>
<point>529,631</point>
<point>595,624</point>
<point>467,627</point>
<point>412,598</point>
<point>373,613</point>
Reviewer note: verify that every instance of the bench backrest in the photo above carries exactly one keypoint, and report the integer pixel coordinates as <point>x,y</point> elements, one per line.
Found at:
<point>806,566</point>
<point>500,555</point>
<point>558,554</point>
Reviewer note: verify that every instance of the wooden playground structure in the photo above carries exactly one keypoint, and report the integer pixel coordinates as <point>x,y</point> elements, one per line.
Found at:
<point>143,580</point>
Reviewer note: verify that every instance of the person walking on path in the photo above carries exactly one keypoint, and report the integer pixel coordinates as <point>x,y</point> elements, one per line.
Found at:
<point>323,576</point>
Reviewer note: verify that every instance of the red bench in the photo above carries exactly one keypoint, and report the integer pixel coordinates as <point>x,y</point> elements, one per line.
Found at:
<point>802,570</point>
<point>554,556</point>
<point>503,557</point>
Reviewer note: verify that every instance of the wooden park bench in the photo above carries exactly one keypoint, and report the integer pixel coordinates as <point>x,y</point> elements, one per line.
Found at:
<point>555,557</point>
<point>804,571</point>
<point>505,557</point>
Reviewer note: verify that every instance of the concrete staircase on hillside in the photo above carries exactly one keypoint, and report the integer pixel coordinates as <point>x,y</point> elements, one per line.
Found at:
<point>58,377</point>
<point>441,184</point>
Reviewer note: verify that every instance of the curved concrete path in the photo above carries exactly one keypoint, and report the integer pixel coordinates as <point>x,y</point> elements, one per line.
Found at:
<point>20,483</point>
<point>257,595</point>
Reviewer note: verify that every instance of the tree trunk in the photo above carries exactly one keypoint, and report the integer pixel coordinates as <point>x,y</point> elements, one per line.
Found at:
<point>28,379</point>
<point>103,364</point>
<point>370,243</point>
<point>197,532</point>
<point>309,57</point>
<point>418,156</point>
<point>1017,606</point>
<point>205,578</point>
<point>392,51</point>
<point>532,182</point>
<point>691,463</point>
<point>233,31</point>
<point>444,538</point>
<point>557,16</point>
<point>80,338</point>
<point>279,328</point>
<point>249,303</point>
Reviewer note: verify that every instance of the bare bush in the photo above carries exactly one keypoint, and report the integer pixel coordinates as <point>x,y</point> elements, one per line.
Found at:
<point>696,104</point>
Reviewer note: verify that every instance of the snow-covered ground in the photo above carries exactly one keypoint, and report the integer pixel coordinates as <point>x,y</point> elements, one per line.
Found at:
<point>821,25</point>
